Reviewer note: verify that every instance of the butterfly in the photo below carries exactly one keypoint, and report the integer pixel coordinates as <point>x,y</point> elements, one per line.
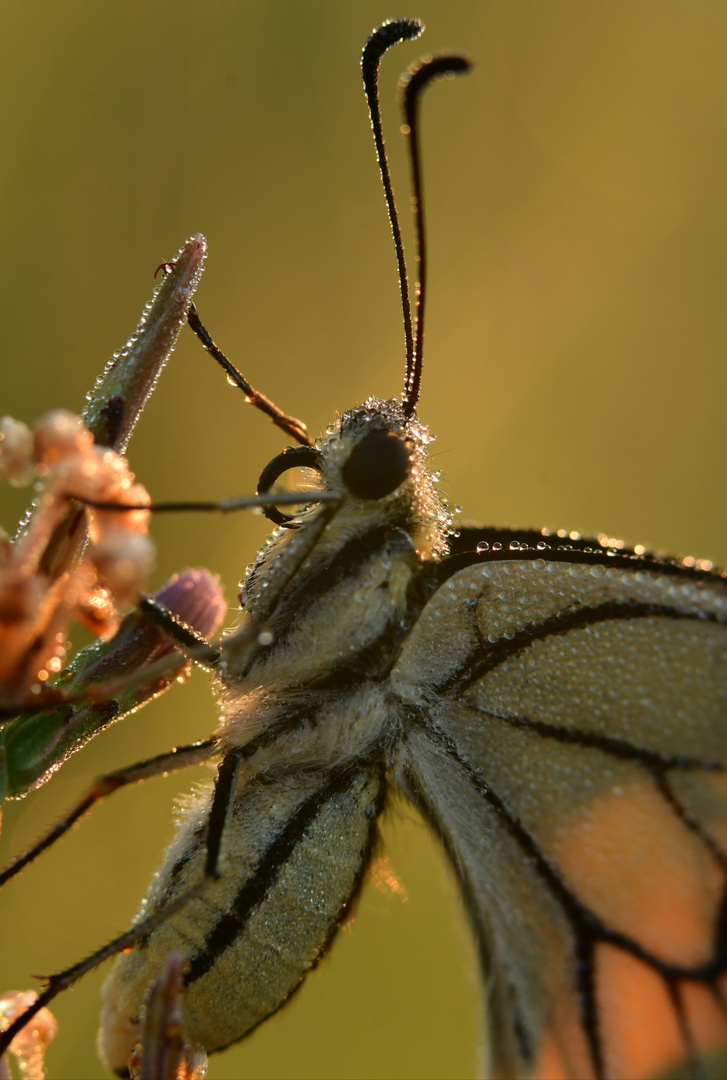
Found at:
<point>493,676</point>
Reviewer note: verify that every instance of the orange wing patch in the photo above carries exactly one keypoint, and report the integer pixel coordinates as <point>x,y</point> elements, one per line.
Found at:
<point>647,1019</point>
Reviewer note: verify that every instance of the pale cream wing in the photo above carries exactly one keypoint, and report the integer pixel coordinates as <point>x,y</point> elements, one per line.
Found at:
<point>566,734</point>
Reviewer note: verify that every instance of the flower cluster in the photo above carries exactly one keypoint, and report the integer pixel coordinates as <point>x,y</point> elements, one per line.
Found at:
<point>28,1048</point>
<point>69,560</point>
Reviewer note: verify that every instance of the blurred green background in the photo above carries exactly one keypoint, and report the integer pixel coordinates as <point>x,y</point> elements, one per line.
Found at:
<point>574,376</point>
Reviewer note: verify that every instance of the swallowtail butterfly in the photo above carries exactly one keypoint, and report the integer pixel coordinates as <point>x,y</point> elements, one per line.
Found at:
<point>556,707</point>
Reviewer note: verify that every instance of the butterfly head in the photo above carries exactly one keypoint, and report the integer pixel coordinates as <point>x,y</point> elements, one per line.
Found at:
<point>373,452</point>
<point>374,458</point>
<point>375,515</point>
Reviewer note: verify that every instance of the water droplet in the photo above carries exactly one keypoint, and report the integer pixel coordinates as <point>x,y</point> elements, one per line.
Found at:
<point>482,546</point>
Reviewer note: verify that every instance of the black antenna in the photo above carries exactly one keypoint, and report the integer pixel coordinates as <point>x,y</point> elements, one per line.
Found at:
<point>382,39</point>
<point>412,85</point>
<point>289,424</point>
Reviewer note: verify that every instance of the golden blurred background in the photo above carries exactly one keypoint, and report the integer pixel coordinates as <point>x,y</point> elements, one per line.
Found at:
<point>574,373</point>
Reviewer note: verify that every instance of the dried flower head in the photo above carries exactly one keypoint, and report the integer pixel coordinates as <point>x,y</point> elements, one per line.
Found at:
<point>29,1046</point>
<point>67,561</point>
<point>16,452</point>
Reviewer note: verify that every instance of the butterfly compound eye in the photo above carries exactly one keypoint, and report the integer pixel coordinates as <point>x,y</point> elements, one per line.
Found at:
<point>377,465</point>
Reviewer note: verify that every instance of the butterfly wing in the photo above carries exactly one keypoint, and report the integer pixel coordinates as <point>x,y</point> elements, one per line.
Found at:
<point>569,744</point>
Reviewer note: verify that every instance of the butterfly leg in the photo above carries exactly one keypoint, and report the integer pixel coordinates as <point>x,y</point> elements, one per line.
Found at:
<point>189,640</point>
<point>225,788</point>
<point>171,761</point>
